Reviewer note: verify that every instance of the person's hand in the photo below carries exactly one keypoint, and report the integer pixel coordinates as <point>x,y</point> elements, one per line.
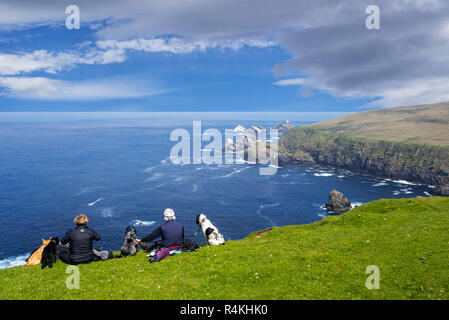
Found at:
<point>138,241</point>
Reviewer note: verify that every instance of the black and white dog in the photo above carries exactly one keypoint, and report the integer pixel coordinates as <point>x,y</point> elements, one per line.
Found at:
<point>129,247</point>
<point>49,253</point>
<point>211,233</point>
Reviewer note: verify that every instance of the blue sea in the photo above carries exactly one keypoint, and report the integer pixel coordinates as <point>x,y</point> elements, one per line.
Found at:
<point>116,168</point>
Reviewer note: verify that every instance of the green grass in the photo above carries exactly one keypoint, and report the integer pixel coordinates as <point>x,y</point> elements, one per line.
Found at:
<point>323,260</point>
<point>423,125</point>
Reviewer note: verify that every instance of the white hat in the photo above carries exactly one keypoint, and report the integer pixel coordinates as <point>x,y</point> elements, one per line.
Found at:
<point>169,214</point>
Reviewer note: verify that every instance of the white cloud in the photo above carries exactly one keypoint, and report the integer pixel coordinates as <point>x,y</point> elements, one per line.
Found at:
<point>179,45</point>
<point>326,39</point>
<point>109,51</point>
<point>53,62</point>
<point>291,82</point>
<point>42,88</point>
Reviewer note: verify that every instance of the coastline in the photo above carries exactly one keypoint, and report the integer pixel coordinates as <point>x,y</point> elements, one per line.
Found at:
<point>412,163</point>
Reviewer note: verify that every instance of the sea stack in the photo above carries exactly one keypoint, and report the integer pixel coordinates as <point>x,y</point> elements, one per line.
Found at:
<point>284,127</point>
<point>338,202</point>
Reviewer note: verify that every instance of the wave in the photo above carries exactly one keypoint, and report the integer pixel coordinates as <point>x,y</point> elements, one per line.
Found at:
<point>14,261</point>
<point>142,223</point>
<point>195,188</point>
<point>380,184</point>
<point>107,212</point>
<point>323,174</point>
<point>403,191</point>
<point>427,194</point>
<point>95,202</point>
<point>404,182</point>
<point>232,173</point>
<point>179,179</point>
<point>356,204</point>
<point>154,176</point>
<point>263,206</point>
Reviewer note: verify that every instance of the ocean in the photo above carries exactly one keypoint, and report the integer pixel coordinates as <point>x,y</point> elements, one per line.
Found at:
<point>116,168</point>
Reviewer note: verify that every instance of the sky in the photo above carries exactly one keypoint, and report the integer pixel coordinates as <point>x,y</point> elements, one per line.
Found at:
<point>222,56</point>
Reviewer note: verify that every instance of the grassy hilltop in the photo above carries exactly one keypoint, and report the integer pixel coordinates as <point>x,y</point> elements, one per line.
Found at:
<point>410,143</point>
<point>426,124</point>
<point>408,239</point>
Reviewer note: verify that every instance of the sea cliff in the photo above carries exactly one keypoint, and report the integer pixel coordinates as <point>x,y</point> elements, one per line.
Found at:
<point>382,157</point>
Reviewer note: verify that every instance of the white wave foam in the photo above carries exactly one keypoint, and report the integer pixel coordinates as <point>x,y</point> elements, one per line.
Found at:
<point>107,212</point>
<point>232,173</point>
<point>179,179</point>
<point>356,204</point>
<point>380,184</point>
<point>404,182</point>
<point>427,194</point>
<point>195,188</point>
<point>263,206</point>
<point>154,176</point>
<point>142,223</point>
<point>149,169</point>
<point>14,261</point>
<point>95,202</point>
<point>323,174</point>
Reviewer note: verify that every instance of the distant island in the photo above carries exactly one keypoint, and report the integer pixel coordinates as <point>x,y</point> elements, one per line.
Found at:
<point>404,143</point>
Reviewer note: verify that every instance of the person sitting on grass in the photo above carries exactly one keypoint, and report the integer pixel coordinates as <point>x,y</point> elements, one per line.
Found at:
<point>80,240</point>
<point>171,233</point>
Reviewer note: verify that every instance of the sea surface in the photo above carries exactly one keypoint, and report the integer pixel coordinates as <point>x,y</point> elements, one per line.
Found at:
<point>118,171</point>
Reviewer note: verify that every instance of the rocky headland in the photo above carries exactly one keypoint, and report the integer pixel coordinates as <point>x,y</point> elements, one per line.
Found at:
<point>407,143</point>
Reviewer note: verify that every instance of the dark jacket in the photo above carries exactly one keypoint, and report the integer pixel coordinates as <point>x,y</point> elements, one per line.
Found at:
<point>80,241</point>
<point>171,233</point>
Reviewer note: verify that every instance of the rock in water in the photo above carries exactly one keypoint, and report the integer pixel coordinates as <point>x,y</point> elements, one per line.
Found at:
<point>338,202</point>
<point>284,127</point>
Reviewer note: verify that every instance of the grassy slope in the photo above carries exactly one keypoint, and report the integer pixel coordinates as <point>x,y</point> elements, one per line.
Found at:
<point>324,260</point>
<point>426,124</point>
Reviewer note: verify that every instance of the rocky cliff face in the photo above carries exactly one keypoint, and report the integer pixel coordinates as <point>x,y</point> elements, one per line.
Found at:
<point>416,163</point>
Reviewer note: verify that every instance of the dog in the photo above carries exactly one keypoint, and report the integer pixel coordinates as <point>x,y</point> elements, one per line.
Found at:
<point>211,233</point>
<point>129,247</point>
<point>49,253</point>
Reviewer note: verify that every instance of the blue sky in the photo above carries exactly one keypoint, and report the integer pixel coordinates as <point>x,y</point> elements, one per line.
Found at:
<point>155,58</point>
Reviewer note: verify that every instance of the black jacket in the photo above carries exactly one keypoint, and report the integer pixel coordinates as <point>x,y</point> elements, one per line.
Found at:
<point>80,241</point>
<point>171,233</point>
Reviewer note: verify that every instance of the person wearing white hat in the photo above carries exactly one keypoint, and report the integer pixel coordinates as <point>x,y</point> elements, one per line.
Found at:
<point>171,232</point>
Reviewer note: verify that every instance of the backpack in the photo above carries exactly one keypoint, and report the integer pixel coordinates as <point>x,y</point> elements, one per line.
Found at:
<point>189,245</point>
<point>102,254</point>
<point>160,254</point>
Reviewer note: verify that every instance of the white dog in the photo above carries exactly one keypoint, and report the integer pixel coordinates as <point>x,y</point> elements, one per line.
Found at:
<point>211,233</point>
